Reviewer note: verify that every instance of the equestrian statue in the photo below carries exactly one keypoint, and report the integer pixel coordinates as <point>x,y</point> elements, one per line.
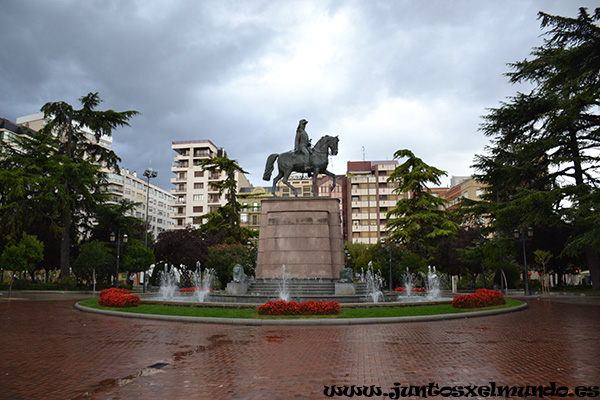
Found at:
<point>304,159</point>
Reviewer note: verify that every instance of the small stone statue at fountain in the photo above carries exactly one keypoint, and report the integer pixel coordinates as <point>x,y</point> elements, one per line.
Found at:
<point>239,275</point>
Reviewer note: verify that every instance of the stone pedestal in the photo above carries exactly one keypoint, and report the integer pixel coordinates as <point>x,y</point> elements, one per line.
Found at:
<point>305,234</point>
<point>237,288</point>
<point>345,289</point>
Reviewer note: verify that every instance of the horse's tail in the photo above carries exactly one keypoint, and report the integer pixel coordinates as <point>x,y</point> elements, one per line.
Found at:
<point>269,167</point>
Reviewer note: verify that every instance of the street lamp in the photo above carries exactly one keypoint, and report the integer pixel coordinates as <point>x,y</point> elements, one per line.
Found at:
<point>389,259</point>
<point>253,249</point>
<point>522,232</point>
<point>149,173</point>
<point>347,258</point>
<point>118,238</point>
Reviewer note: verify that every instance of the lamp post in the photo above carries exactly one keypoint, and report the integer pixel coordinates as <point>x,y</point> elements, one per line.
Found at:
<point>347,257</point>
<point>522,232</point>
<point>149,173</point>
<point>253,249</point>
<point>389,260</point>
<point>118,238</point>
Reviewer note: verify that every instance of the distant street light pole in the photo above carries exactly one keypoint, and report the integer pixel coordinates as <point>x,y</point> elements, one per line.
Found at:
<point>149,173</point>
<point>118,238</point>
<point>389,260</point>
<point>522,232</point>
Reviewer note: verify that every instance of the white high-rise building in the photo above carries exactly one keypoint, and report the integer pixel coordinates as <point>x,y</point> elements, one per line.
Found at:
<point>127,185</point>
<point>194,193</point>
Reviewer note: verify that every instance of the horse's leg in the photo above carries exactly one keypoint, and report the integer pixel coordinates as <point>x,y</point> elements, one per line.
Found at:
<point>286,175</point>
<point>333,176</point>
<point>275,180</point>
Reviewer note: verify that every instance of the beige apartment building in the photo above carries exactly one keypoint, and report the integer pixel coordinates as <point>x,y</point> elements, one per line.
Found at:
<point>369,196</point>
<point>463,187</point>
<point>194,194</point>
<point>129,186</point>
<point>36,122</point>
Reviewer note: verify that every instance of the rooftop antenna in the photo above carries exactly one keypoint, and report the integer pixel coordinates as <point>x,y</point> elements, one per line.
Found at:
<point>363,150</point>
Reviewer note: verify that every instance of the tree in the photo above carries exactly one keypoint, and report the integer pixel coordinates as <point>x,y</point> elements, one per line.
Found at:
<point>22,256</point>
<point>138,257</point>
<point>223,257</point>
<point>183,249</point>
<point>25,165</point>
<point>543,165</point>
<point>58,171</point>
<point>418,220</point>
<point>78,181</point>
<point>94,259</point>
<point>225,221</point>
<point>112,218</point>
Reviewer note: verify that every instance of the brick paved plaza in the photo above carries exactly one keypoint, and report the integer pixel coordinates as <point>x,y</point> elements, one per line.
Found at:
<point>49,350</point>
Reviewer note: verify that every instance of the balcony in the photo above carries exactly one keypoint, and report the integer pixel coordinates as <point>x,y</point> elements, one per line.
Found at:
<point>180,165</point>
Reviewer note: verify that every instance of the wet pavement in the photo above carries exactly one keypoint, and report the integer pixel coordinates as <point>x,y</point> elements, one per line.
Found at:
<point>50,350</point>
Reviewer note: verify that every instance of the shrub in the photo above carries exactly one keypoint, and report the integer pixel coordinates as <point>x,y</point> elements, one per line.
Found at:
<point>481,298</point>
<point>114,297</point>
<point>311,307</point>
<point>67,283</point>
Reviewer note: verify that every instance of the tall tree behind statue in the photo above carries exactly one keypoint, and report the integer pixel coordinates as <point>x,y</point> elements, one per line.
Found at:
<point>543,163</point>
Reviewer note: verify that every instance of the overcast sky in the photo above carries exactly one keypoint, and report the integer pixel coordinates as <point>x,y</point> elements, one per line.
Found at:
<point>382,74</point>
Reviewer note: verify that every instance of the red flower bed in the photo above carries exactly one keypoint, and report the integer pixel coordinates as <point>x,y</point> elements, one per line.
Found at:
<point>114,297</point>
<point>191,289</point>
<point>311,307</point>
<point>402,289</point>
<point>481,298</point>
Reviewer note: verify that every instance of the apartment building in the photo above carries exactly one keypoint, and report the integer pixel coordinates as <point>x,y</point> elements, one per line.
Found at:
<point>194,193</point>
<point>8,130</point>
<point>128,186</point>
<point>369,196</point>
<point>36,122</point>
<point>462,187</point>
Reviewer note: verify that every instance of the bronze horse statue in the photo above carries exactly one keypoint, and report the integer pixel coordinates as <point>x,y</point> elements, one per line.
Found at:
<point>291,161</point>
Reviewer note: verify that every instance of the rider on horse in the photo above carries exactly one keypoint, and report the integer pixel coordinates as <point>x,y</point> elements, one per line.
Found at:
<point>302,144</point>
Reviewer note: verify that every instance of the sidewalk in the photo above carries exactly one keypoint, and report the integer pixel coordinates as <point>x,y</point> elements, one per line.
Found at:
<point>49,350</point>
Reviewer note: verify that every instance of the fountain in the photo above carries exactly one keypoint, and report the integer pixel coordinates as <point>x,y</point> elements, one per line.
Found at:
<point>284,291</point>
<point>433,284</point>
<point>202,282</point>
<point>374,282</point>
<point>408,278</point>
<point>283,287</point>
<point>168,284</point>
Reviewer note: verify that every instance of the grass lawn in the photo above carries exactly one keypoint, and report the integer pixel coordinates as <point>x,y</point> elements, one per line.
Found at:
<point>252,313</point>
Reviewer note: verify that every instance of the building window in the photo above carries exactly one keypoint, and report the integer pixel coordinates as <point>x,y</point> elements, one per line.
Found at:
<point>198,174</point>
<point>198,185</point>
<point>198,197</point>
<point>244,218</point>
<point>198,209</point>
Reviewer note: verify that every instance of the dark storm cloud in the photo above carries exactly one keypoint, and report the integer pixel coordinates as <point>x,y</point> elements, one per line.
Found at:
<point>383,75</point>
